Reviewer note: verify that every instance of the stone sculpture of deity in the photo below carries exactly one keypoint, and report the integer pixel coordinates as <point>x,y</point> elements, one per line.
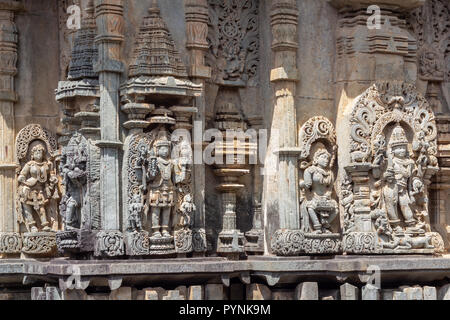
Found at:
<point>73,170</point>
<point>318,209</point>
<point>399,188</point>
<point>37,186</point>
<point>162,174</point>
<point>134,213</point>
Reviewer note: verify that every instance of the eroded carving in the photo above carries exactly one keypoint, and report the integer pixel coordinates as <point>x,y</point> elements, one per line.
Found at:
<point>234,42</point>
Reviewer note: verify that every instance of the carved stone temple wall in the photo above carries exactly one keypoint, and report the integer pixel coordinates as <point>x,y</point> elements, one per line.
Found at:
<point>222,149</point>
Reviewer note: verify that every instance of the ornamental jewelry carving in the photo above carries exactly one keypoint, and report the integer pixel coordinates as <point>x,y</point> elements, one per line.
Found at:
<point>234,42</point>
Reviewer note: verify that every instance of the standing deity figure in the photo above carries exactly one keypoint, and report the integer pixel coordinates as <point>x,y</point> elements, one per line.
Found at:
<point>398,177</point>
<point>37,185</point>
<point>134,214</point>
<point>318,209</point>
<point>187,209</point>
<point>162,174</point>
<point>73,170</point>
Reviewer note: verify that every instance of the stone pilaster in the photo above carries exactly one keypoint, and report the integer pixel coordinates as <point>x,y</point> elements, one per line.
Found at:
<point>10,242</point>
<point>197,45</point>
<point>284,76</point>
<point>110,24</point>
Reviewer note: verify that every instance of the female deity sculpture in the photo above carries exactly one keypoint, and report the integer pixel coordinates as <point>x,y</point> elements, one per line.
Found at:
<point>37,185</point>
<point>318,208</point>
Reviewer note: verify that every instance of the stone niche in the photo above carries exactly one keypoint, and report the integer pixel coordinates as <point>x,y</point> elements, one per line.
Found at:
<point>387,158</point>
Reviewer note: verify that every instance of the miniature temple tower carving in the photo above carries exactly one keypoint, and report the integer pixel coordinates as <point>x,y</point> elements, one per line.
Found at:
<point>157,189</point>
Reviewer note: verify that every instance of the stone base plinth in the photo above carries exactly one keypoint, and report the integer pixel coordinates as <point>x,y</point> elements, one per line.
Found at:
<point>75,241</point>
<point>137,243</point>
<point>254,243</point>
<point>230,242</point>
<point>109,243</point>
<point>162,246</point>
<point>295,242</point>
<point>10,243</point>
<point>370,243</point>
<point>183,241</point>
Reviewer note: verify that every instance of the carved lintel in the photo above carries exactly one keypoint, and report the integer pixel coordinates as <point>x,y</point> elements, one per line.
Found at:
<point>109,243</point>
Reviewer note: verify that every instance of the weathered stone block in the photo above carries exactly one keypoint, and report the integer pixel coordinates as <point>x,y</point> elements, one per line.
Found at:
<point>444,292</point>
<point>282,295</point>
<point>429,293</point>
<point>196,293</point>
<point>256,291</point>
<point>173,295</point>
<point>154,293</point>
<point>370,292</point>
<point>414,293</point>
<point>123,293</point>
<point>349,292</point>
<point>399,295</point>
<point>214,292</point>
<point>307,291</point>
<point>74,294</point>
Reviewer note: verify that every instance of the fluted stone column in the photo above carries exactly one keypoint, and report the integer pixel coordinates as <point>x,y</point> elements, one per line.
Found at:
<point>284,76</point>
<point>9,238</point>
<point>110,24</point>
<point>196,34</point>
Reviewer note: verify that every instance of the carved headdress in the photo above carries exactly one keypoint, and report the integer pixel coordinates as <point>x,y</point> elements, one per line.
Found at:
<point>162,139</point>
<point>398,137</point>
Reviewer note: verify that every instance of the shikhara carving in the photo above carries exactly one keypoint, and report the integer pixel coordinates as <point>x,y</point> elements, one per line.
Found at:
<point>233,40</point>
<point>38,188</point>
<point>392,142</point>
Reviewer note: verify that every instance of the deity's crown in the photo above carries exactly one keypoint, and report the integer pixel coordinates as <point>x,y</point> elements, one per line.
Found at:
<point>162,140</point>
<point>398,137</point>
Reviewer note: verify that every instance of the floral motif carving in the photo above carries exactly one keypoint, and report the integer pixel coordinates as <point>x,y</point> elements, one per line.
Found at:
<point>233,40</point>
